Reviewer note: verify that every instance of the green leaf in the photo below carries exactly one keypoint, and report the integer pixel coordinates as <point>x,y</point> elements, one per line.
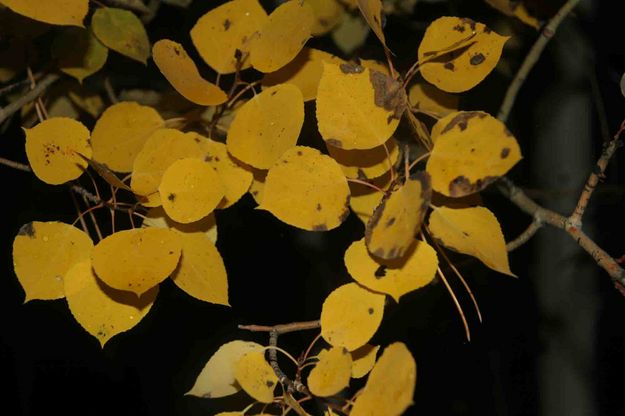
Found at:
<point>79,53</point>
<point>123,32</point>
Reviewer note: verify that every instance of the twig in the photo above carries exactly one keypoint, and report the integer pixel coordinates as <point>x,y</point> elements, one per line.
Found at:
<point>525,236</point>
<point>110,92</point>
<point>283,328</point>
<point>532,57</point>
<point>28,97</point>
<point>15,165</point>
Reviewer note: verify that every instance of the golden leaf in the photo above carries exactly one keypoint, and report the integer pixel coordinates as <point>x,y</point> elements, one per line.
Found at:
<point>256,376</point>
<point>331,373</point>
<point>366,164</point>
<point>55,12</point>
<point>363,360</point>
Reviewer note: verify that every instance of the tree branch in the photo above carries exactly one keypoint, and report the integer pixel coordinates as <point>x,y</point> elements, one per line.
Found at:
<point>30,96</point>
<point>525,236</point>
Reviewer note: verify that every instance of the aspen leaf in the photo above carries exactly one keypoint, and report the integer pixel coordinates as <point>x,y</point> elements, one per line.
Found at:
<point>79,53</point>
<point>121,131</point>
<point>256,376</point>
<point>43,253</point>
<point>429,99</point>
<point>415,269</point>
<point>367,163</point>
<point>356,108</point>
<point>136,260</point>
<point>282,36</point>
<point>374,65</point>
<point>468,63</point>
<point>86,100</point>
<point>176,65</point>
<point>351,33</point>
<point>363,360</point>
<point>307,190</point>
<point>53,147</point>
<point>518,10</point>
<point>226,29</point>
<point>304,72</point>
<point>473,231</point>
<point>201,272</point>
<point>54,12</point>
<point>236,180</point>
<point>331,373</point>
<point>121,31</point>
<point>258,184</point>
<point>207,226</point>
<point>372,12</point>
<point>364,200</point>
<point>161,149</point>
<point>266,126</point>
<point>471,150</point>
<point>328,14</point>
<point>190,189</point>
<point>350,316</point>
<point>105,173</point>
<point>103,311</point>
<point>397,219</point>
<point>217,377</point>
<point>391,384</point>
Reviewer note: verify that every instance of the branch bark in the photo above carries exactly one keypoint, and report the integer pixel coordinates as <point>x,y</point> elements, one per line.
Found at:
<point>29,97</point>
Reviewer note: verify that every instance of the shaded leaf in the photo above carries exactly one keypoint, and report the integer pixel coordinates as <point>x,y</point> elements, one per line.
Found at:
<point>363,360</point>
<point>366,163</point>
<point>328,14</point>
<point>364,200</point>
<point>207,226</point>
<point>79,53</point>
<point>429,99</point>
<point>351,33</point>
<point>55,12</point>
<point>121,31</point>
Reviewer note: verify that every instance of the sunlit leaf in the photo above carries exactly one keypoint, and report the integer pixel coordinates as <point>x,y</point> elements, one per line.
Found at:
<point>304,72</point>
<point>52,148</point>
<point>372,12</point>
<point>415,269</point>
<point>357,108</point>
<point>256,376</point>
<point>351,33</point>
<point>55,12</point>
<point>331,373</point>
<point>266,126</point>
<point>121,31</point>
<point>351,315</point>
<point>474,231</point>
<point>79,53</point>
<point>282,36</point>
<point>136,260</point>
<point>176,65</point>
<point>328,14</point>
<point>471,150</point>
<point>103,311</point>
<point>207,226</point>
<point>397,219</point>
<point>390,386</point>
<point>477,53</point>
<point>367,163</point>
<point>43,253</point>
<point>120,133</point>
<point>363,360</point>
<point>428,98</point>
<point>307,190</point>
<point>226,29</point>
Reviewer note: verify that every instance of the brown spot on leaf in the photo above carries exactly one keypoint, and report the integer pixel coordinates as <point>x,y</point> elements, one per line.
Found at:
<point>390,222</point>
<point>208,158</point>
<point>336,143</point>
<point>351,68</point>
<point>318,207</point>
<point>477,59</point>
<point>269,383</point>
<point>171,197</point>
<point>320,227</point>
<point>466,234</point>
<point>462,120</point>
<point>459,28</point>
<point>469,22</point>
<point>299,153</point>
<point>461,186</point>
<point>28,230</point>
<point>449,65</point>
<point>380,272</point>
<point>370,310</point>
<point>388,93</point>
<point>344,215</point>
<point>505,152</point>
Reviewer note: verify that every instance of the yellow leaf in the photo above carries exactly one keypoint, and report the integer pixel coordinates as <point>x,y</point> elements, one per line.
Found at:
<point>350,316</point>
<point>52,148</point>
<point>328,14</point>
<point>120,133</point>
<point>43,253</point>
<point>415,269</point>
<point>366,164</point>
<point>136,260</point>
<point>266,126</point>
<point>176,65</point>
<point>190,189</point>
<point>515,9</point>
<point>474,231</point>
<point>207,226</point>
<point>471,150</point>
<point>256,376</point>
<point>397,219</point>
<point>390,386</point>
<point>431,100</point>
<point>103,311</point>
<point>217,377</point>
<point>363,360</point>
<point>282,36</point>
<point>201,272</point>
<point>351,33</point>
<point>55,12</point>
<point>364,200</point>
<point>357,108</point>
<point>304,72</point>
<point>235,179</point>
<point>258,184</point>
<point>372,12</point>
<point>79,53</point>
<point>121,31</point>
<point>307,190</point>
<point>225,29</point>
<point>161,149</point>
<point>469,63</point>
<point>331,373</point>
<point>374,65</point>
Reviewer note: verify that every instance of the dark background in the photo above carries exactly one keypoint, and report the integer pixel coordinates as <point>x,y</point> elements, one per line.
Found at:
<point>278,274</point>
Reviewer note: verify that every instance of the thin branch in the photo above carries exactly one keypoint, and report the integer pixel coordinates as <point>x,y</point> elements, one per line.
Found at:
<point>525,236</point>
<point>15,165</point>
<point>28,97</point>
<point>283,328</point>
<point>532,57</point>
